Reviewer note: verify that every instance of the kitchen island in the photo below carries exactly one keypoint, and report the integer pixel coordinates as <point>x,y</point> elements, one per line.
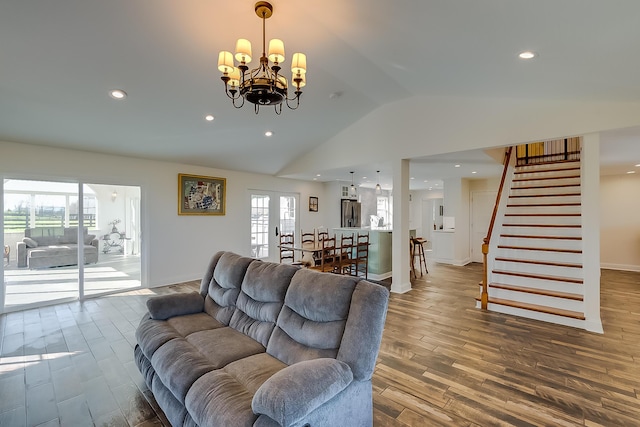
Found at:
<point>380,248</point>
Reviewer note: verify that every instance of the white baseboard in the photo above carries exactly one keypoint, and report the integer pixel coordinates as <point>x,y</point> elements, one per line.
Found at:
<point>625,267</point>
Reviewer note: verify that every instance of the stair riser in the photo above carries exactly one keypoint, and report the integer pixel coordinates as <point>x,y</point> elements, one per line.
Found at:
<point>560,320</point>
<point>540,255</point>
<point>544,191</point>
<point>550,285</point>
<point>550,231</point>
<point>544,209</point>
<point>546,174</point>
<point>548,270</point>
<point>559,220</point>
<point>541,243</point>
<point>533,181</point>
<point>543,200</point>
<point>560,303</point>
<point>548,166</point>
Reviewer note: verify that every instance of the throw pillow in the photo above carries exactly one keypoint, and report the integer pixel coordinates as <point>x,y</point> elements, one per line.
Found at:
<point>88,238</point>
<point>30,242</point>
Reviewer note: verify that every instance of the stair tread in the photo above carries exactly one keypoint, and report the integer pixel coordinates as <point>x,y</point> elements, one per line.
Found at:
<point>544,195</point>
<point>527,248</point>
<point>529,236</point>
<point>538,291</point>
<point>532,187</point>
<point>538,276</point>
<point>551,162</point>
<point>542,170</point>
<point>543,214</point>
<point>544,225</point>
<point>538,308</point>
<point>545,178</point>
<point>542,205</point>
<point>533,261</point>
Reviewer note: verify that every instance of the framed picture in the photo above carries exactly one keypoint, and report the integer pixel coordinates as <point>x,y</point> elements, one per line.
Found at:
<point>201,195</point>
<point>313,204</point>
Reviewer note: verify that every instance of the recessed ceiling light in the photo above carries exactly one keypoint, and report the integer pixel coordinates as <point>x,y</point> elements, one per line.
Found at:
<point>318,174</point>
<point>638,165</point>
<point>631,172</point>
<point>268,133</point>
<point>209,118</point>
<point>413,177</point>
<point>364,177</point>
<point>118,94</point>
<point>426,180</point>
<point>430,188</point>
<point>457,166</point>
<point>474,172</point>
<point>315,179</point>
<point>527,54</point>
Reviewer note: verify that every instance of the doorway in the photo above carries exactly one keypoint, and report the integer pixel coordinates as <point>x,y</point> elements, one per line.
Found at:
<point>55,234</point>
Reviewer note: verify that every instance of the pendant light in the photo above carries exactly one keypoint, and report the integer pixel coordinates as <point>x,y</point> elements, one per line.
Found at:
<point>378,188</point>
<point>353,192</point>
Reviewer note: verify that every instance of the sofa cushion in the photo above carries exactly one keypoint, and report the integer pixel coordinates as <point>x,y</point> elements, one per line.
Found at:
<point>179,364</point>
<point>224,285</point>
<point>152,334</point>
<point>261,298</point>
<point>60,250</point>
<point>186,325</point>
<point>30,242</point>
<point>313,318</point>
<point>223,397</point>
<point>224,345</point>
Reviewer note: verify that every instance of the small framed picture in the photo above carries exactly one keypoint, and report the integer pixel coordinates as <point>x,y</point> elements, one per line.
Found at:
<point>313,204</point>
<point>201,195</point>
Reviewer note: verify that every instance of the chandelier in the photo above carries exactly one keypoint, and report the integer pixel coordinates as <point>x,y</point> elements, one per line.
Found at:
<point>263,85</point>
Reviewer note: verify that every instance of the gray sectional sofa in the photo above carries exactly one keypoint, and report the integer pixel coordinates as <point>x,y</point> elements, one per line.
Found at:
<point>44,247</point>
<point>264,344</point>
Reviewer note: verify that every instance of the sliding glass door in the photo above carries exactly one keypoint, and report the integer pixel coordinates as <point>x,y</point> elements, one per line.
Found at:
<point>63,241</point>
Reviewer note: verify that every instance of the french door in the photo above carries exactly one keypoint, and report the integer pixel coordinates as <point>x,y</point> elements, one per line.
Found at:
<point>272,214</point>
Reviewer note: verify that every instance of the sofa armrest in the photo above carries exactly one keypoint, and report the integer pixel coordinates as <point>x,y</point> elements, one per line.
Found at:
<point>21,254</point>
<point>95,243</point>
<point>166,306</point>
<point>292,393</point>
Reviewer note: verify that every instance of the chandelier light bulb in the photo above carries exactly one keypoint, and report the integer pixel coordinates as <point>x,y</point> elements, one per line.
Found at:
<point>378,187</point>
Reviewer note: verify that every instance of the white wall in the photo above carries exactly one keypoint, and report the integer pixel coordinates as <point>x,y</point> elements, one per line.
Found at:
<point>620,222</point>
<point>175,248</point>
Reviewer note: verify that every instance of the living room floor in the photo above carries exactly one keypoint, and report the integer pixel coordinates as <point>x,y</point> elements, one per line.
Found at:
<point>442,362</point>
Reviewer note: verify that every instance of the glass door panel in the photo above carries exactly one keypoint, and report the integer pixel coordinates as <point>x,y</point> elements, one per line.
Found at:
<point>41,261</point>
<point>260,225</point>
<point>113,216</point>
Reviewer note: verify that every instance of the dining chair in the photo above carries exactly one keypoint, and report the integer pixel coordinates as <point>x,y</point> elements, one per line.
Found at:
<point>362,255</point>
<point>346,262</point>
<point>286,247</point>
<point>328,256</point>
<point>307,241</point>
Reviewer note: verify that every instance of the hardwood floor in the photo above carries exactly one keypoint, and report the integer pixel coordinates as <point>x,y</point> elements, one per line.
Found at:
<point>442,362</point>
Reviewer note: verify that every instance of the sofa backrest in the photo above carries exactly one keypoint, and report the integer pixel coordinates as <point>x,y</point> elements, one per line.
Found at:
<point>329,315</point>
<point>221,284</point>
<point>54,235</point>
<point>261,299</point>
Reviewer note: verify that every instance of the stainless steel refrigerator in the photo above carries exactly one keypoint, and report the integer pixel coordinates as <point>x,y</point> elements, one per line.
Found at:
<point>350,213</point>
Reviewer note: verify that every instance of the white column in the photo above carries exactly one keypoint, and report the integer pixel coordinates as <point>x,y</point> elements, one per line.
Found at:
<point>401,280</point>
<point>590,174</point>
<point>15,255</point>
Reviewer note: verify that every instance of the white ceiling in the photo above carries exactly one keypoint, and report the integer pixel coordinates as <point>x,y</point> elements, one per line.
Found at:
<point>58,60</point>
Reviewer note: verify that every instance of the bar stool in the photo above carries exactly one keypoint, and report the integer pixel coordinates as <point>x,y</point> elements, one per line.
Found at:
<point>418,251</point>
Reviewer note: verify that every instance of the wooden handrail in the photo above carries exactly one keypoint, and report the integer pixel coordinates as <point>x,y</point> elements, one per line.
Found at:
<point>484,297</point>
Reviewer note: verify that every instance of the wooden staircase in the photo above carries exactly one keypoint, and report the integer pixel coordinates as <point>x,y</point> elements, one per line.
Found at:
<point>536,266</point>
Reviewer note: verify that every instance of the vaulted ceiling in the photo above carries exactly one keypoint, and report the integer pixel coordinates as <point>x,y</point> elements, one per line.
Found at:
<point>59,59</point>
